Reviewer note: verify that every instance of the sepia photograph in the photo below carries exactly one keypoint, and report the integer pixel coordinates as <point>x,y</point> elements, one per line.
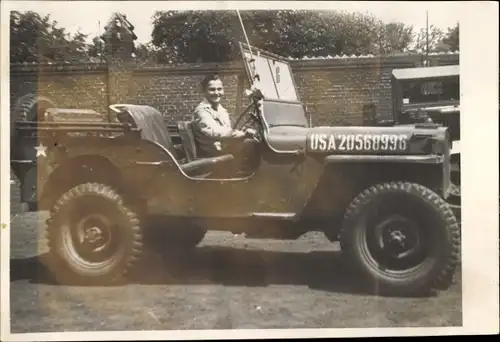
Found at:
<point>208,167</point>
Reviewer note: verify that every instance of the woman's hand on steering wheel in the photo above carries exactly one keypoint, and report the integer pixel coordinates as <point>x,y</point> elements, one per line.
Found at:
<point>252,134</point>
<point>250,117</point>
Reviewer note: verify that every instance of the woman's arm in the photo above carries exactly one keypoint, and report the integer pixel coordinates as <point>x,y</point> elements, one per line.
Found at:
<point>211,128</point>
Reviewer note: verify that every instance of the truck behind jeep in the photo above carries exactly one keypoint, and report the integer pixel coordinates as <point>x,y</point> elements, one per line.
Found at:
<point>431,94</point>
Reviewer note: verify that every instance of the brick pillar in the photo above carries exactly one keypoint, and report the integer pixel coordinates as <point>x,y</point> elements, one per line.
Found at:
<point>119,45</point>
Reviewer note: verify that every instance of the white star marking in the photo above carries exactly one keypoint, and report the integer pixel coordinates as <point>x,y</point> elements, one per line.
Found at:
<point>41,150</point>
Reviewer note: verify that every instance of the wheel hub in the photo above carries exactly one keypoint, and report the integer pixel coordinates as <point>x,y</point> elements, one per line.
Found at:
<point>93,234</point>
<point>398,237</point>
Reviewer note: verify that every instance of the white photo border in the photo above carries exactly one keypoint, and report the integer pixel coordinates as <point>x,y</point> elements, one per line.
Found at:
<point>479,137</point>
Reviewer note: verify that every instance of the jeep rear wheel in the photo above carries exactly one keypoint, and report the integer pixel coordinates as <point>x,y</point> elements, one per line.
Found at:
<point>403,237</point>
<point>93,235</point>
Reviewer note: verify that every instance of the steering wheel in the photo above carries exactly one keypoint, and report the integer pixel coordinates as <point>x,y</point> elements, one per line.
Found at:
<point>251,117</point>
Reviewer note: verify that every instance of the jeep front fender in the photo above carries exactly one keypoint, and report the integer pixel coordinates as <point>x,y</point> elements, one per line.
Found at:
<point>431,170</point>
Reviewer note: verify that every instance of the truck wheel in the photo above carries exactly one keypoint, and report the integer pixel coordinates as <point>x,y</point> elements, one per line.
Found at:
<point>94,237</point>
<point>403,237</point>
<point>455,194</point>
<point>29,107</point>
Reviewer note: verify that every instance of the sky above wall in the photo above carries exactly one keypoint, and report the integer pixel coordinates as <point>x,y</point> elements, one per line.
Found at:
<point>90,17</point>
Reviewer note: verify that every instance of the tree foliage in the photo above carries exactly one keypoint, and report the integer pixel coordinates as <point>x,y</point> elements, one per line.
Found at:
<point>97,49</point>
<point>208,36</point>
<point>34,38</point>
<point>452,38</point>
<point>212,36</point>
<point>394,37</point>
<point>430,40</point>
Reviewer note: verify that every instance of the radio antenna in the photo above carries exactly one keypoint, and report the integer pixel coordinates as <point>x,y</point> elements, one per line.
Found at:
<point>252,59</point>
<point>245,33</point>
<point>427,38</point>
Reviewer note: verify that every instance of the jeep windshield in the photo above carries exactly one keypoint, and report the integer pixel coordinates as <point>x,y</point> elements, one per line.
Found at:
<point>282,106</point>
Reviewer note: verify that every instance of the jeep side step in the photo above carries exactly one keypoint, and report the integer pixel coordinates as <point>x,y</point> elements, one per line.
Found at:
<point>281,216</point>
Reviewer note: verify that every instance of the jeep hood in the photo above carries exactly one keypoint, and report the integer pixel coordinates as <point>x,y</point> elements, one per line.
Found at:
<point>408,139</point>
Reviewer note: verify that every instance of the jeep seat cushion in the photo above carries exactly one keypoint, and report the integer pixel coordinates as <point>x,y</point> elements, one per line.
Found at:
<point>151,123</point>
<point>188,139</point>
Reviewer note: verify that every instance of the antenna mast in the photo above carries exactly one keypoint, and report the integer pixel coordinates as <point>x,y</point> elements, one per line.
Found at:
<point>245,33</point>
<point>252,59</point>
<point>427,38</point>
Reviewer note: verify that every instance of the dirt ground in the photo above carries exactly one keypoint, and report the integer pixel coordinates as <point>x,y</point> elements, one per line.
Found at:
<point>227,283</point>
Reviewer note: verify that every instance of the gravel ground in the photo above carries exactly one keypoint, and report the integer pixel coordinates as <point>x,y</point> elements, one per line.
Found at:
<point>227,283</point>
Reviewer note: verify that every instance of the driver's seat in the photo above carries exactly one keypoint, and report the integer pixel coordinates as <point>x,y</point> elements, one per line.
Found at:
<point>152,126</point>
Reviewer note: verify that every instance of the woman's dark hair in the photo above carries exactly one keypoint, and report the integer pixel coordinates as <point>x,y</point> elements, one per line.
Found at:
<point>207,79</point>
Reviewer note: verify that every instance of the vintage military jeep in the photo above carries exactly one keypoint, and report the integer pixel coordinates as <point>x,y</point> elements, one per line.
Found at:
<point>380,191</point>
<point>431,94</point>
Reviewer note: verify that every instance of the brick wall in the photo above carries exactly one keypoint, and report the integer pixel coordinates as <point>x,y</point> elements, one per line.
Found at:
<point>70,86</point>
<point>175,91</point>
<point>335,93</point>
<point>334,90</point>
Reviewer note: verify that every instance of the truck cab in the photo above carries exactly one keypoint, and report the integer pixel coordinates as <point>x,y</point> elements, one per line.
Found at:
<point>427,94</point>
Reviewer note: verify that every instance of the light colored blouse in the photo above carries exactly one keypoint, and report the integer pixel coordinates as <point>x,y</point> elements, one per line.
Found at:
<point>211,127</point>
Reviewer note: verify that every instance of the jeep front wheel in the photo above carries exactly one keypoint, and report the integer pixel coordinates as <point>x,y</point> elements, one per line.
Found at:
<point>403,237</point>
<point>94,237</point>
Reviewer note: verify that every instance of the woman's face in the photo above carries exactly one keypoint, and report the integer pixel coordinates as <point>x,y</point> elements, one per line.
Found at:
<point>214,91</point>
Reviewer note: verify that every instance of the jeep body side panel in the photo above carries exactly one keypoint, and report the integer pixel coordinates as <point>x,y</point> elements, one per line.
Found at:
<point>387,141</point>
<point>355,158</point>
<point>345,176</point>
<point>280,184</point>
<point>394,140</point>
<point>59,165</point>
<point>36,143</point>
